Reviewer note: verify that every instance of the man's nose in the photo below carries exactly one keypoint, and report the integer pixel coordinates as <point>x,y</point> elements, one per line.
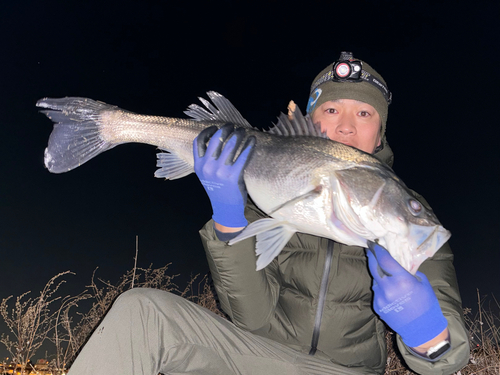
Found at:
<point>346,126</point>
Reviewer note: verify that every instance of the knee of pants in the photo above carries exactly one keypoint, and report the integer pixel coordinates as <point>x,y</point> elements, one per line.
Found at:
<point>143,297</point>
<point>156,306</point>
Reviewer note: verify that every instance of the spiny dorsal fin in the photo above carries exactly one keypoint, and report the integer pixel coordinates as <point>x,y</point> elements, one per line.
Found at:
<point>295,124</point>
<point>222,110</point>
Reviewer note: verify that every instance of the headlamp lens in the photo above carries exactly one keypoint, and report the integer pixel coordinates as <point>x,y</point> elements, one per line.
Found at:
<point>343,70</point>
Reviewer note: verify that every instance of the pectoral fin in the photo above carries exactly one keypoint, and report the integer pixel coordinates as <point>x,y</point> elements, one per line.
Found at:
<point>272,235</point>
<point>171,166</point>
<point>311,193</point>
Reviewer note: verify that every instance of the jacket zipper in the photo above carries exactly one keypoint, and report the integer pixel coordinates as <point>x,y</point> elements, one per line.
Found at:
<point>322,297</point>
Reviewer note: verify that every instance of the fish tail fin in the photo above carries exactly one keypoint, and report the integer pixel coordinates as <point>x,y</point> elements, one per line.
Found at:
<point>76,137</point>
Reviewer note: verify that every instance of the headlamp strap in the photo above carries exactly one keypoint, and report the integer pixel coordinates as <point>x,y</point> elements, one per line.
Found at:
<point>367,77</point>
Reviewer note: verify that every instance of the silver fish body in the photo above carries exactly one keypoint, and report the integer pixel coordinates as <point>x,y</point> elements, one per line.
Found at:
<point>303,181</point>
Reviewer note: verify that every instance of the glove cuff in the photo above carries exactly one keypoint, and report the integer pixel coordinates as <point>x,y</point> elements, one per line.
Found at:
<point>424,328</point>
<point>229,215</point>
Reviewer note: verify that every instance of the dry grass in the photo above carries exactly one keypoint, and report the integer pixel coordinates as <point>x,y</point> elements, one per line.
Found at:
<point>484,331</point>
<point>30,321</point>
<point>68,321</point>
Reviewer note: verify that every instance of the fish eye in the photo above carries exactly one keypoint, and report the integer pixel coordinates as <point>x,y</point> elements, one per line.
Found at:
<point>415,207</point>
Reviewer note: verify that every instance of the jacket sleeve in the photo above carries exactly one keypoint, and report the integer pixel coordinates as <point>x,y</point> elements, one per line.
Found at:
<point>441,273</point>
<point>248,296</point>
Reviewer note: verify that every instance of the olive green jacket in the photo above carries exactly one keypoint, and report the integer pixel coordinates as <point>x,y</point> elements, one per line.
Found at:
<point>280,302</point>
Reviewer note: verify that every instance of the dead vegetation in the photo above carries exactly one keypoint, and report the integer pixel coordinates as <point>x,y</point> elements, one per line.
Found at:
<point>66,322</point>
<point>30,321</point>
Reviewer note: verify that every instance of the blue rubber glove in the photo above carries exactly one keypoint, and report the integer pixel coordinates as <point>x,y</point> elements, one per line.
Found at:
<point>221,176</point>
<point>406,303</point>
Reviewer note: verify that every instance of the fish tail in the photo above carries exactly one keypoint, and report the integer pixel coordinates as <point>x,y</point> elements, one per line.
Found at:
<point>76,137</point>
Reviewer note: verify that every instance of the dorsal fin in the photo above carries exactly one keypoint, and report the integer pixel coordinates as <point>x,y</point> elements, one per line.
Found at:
<point>296,124</point>
<point>222,110</point>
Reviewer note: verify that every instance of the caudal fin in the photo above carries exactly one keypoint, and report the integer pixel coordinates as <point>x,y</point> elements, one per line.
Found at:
<point>76,137</point>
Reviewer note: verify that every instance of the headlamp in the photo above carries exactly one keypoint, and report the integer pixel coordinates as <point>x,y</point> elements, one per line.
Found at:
<point>346,69</point>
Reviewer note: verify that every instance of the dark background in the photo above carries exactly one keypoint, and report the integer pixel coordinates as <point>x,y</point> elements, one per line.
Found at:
<point>440,59</point>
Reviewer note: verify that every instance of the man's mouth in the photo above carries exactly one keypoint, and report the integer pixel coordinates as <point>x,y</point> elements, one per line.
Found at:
<point>347,143</point>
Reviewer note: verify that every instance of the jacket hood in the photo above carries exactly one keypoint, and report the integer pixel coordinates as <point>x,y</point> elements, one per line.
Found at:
<point>385,155</point>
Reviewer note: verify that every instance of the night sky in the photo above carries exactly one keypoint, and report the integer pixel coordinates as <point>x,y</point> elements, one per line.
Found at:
<point>440,59</point>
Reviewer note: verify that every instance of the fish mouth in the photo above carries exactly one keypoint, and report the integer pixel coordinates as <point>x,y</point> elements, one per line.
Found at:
<point>429,238</point>
<point>421,242</point>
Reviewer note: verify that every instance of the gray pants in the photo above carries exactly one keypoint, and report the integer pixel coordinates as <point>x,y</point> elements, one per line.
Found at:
<point>148,331</point>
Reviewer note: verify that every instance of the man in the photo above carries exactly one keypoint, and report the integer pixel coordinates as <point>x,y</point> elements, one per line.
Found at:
<point>311,310</point>
<point>354,112</point>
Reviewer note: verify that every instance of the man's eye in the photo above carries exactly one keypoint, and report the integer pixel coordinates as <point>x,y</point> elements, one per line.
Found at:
<point>364,114</point>
<point>331,110</point>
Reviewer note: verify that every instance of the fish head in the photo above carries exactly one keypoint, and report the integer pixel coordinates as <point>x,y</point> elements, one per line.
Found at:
<point>419,234</point>
<point>376,204</point>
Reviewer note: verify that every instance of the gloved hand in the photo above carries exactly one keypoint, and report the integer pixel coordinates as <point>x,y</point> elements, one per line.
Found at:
<point>221,176</point>
<point>406,303</point>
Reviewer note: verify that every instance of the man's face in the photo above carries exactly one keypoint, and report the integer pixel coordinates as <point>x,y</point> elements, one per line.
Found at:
<point>350,122</point>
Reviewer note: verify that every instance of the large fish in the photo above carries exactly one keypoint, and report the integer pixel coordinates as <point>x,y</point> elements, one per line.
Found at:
<point>302,180</point>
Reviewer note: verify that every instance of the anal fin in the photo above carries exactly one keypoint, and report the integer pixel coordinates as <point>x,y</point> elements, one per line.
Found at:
<point>171,166</point>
